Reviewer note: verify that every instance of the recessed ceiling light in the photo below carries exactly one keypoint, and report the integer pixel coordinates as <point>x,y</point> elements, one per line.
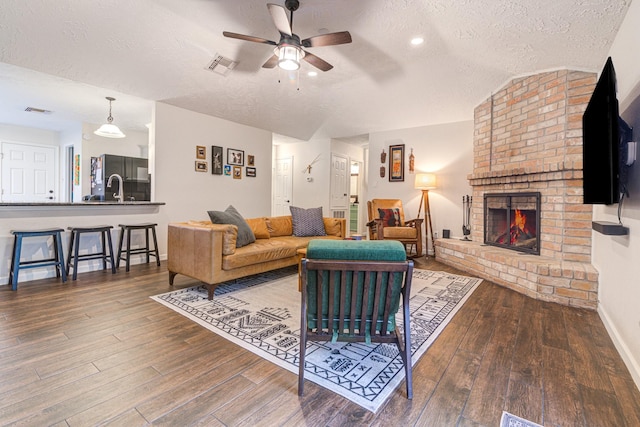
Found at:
<point>417,40</point>
<point>312,73</point>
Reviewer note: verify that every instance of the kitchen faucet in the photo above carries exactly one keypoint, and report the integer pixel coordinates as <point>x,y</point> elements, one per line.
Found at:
<point>118,196</point>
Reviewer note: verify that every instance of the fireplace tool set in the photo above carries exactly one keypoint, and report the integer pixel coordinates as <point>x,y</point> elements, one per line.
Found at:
<point>466,216</point>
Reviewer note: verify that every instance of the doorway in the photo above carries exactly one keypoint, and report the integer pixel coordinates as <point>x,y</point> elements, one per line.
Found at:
<point>28,172</point>
<point>283,187</point>
<point>355,196</point>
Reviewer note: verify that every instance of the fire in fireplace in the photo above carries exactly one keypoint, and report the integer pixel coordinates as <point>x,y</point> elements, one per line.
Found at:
<point>511,220</point>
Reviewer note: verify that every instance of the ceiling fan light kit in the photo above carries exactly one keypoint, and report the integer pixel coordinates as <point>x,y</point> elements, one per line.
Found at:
<point>289,57</point>
<point>290,49</point>
<point>109,130</point>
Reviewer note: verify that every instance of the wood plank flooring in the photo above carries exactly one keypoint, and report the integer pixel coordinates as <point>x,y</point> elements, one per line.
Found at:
<point>99,351</point>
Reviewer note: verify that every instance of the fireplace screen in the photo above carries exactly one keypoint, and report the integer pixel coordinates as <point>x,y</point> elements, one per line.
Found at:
<point>512,221</point>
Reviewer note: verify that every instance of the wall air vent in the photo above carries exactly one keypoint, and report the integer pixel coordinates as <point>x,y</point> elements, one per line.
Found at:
<point>37,110</point>
<point>221,65</point>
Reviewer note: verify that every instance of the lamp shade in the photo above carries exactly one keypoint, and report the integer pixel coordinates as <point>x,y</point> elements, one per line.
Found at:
<point>109,130</point>
<point>289,58</point>
<point>425,181</point>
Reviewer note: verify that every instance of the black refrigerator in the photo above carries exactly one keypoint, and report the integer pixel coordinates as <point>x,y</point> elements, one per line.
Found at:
<point>133,170</point>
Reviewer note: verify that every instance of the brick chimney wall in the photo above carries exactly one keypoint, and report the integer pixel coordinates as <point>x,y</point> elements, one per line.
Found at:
<point>528,137</point>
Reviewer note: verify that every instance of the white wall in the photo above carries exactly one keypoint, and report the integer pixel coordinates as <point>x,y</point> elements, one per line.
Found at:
<point>189,194</point>
<point>12,133</point>
<point>616,258</point>
<point>315,193</point>
<point>447,151</point>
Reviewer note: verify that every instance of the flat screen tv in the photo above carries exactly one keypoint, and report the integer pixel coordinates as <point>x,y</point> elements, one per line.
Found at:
<point>600,142</point>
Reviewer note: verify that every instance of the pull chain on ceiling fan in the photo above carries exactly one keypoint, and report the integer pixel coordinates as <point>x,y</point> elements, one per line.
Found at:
<point>290,49</point>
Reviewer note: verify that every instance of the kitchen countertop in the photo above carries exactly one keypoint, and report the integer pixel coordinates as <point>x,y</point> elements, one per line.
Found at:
<point>77,204</point>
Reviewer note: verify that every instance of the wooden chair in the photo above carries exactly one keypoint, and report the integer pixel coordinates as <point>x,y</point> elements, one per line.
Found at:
<point>395,227</point>
<point>333,309</point>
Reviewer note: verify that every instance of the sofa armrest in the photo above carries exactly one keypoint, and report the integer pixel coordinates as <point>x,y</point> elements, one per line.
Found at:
<point>196,250</point>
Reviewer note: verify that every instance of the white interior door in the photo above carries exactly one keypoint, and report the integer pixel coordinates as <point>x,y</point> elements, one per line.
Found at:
<point>339,182</point>
<point>283,187</point>
<point>28,173</point>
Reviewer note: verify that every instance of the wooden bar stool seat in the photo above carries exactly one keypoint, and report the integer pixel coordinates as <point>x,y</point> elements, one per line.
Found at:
<point>57,260</point>
<point>74,256</point>
<point>125,254</point>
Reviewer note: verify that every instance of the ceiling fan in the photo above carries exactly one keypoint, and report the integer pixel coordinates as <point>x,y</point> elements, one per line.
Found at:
<point>290,49</point>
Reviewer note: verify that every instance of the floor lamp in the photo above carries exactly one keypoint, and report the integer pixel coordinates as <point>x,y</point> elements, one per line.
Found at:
<point>426,182</point>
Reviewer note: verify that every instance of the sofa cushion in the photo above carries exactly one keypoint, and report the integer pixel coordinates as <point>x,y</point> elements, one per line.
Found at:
<point>232,216</point>
<point>307,222</point>
<point>332,226</point>
<point>279,226</point>
<point>262,250</point>
<point>259,227</point>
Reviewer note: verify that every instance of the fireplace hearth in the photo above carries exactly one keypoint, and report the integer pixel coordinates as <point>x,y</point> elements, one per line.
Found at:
<point>512,221</point>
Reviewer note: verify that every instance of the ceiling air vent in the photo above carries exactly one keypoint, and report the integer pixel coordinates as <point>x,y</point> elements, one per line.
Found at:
<point>221,65</point>
<point>37,110</point>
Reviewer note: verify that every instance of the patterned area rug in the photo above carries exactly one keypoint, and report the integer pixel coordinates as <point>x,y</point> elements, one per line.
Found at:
<point>510,420</point>
<point>262,314</point>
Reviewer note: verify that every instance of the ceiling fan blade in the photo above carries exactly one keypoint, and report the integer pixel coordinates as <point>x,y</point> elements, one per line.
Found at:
<point>248,38</point>
<point>279,16</point>
<point>271,62</point>
<point>331,39</point>
<point>319,63</point>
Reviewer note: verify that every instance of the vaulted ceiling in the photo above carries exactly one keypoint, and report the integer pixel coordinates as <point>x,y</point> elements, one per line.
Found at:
<point>67,55</point>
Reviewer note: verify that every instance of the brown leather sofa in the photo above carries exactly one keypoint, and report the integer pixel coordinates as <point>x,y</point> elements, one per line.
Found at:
<point>207,252</point>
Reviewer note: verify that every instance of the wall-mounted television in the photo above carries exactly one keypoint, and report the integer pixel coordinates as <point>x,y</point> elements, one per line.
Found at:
<point>608,149</point>
<point>600,142</point>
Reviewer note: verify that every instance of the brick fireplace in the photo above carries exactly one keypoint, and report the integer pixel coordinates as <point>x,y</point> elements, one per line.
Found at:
<point>528,139</point>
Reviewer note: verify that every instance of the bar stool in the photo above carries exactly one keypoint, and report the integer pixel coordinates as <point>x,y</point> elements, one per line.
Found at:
<point>127,228</point>
<point>57,260</point>
<point>73,257</point>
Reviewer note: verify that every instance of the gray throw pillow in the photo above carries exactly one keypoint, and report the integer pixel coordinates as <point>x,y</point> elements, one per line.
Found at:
<point>232,216</point>
<point>307,222</point>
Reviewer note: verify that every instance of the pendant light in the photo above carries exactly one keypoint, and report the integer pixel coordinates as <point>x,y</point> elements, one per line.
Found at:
<point>109,130</point>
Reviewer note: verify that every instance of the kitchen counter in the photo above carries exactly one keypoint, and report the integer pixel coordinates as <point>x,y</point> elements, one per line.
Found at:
<point>88,203</point>
<point>88,209</point>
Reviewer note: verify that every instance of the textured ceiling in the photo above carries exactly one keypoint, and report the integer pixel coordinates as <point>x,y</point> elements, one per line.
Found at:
<point>158,50</point>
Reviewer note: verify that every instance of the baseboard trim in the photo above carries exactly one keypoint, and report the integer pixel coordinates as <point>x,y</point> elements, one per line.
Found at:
<point>632,364</point>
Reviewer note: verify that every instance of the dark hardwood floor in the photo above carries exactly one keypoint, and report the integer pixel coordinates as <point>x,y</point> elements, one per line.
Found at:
<point>100,351</point>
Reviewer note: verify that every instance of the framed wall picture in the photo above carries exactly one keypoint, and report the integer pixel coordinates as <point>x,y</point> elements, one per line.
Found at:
<point>251,172</point>
<point>201,152</point>
<point>396,163</point>
<point>216,160</point>
<point>237,172</point>
<point>251,160</point>
<point>235,157</point>
<point>201,166</point>
<point>227,170</point>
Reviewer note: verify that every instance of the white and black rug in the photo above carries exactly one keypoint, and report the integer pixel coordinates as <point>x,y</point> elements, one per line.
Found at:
<point>262,314</point>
